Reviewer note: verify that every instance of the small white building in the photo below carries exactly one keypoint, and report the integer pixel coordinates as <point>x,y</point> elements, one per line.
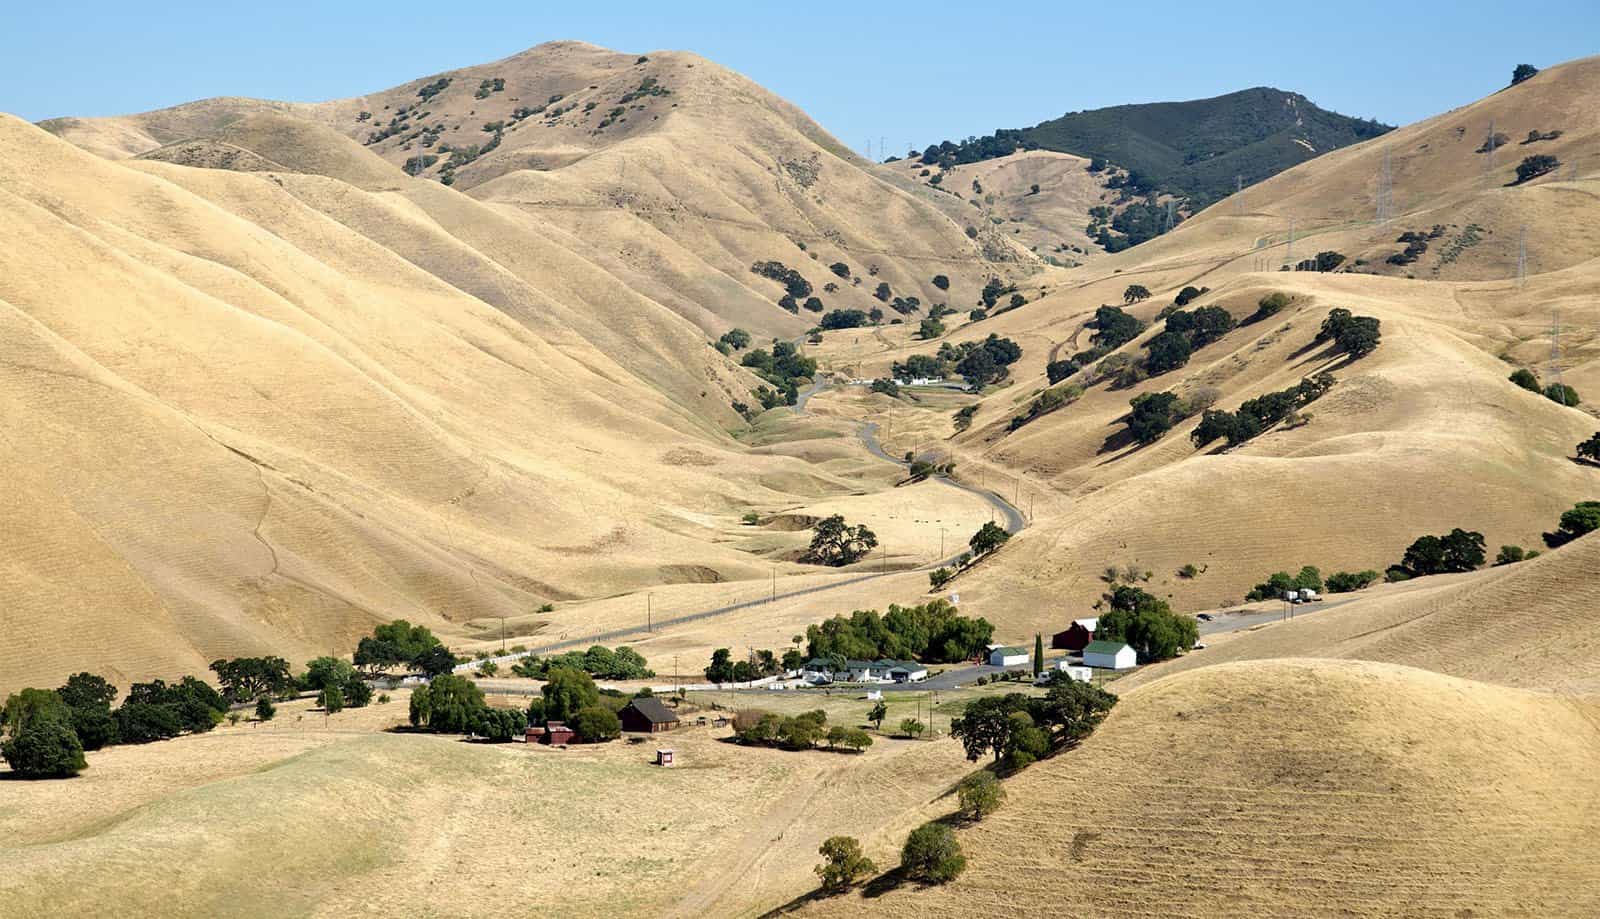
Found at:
<point>1073,672</point>
<point>1109,655</point>
<point>908,672</point>
<point>1008,657</point>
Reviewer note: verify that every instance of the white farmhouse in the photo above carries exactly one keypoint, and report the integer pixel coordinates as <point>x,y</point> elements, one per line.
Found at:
<point>1109,655</point>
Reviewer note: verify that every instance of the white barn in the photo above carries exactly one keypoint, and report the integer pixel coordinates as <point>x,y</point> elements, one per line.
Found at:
<point>1008,657</point>
<point>1109,655</point>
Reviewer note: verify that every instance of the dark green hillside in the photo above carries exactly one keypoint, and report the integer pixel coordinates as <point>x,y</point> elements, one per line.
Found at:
<point>1191,149</point>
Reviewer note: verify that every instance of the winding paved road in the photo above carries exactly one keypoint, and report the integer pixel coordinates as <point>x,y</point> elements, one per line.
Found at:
<point>1015,522</point>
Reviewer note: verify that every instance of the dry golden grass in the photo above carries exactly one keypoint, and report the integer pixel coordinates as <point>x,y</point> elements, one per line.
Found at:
<point>1529,625</point>
<point>1294,788</point>
<point>305,818</point>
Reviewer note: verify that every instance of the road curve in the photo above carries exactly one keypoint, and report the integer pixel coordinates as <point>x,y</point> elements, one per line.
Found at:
<point>1015,522</point>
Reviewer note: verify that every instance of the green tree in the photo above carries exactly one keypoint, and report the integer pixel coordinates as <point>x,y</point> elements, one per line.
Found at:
<point>1562,394</point>
<point>1270,305</point>
<point>39,740</point>
<point>836,543</point>
<point>939,577</point>
<point>1522,72</point>
<point>447,704</point>
<point>397,643</point>
<point>436,661</point>
<point>331,698</point>
<point>1134,293</point>
<point>1590,449</point>
<point>989,537</point>
<point>843,865</point>
<point>911,727</point>
<point>1153,415</point>
<point>980,794</point>
<point>736,339</point>
<point>245,678</point>
<point>596,724</point>
<point>567,692</point>
<point>1535,166</point>
<point>930,329</point>
<point>265,710</point>
<point>88,698</point>
<point>941,282</point>
<point>985,726</point>
<point>356,692</point>
<point>1525,378</point>
<point>1071,710</point>
<point>1584,518</point>
<point>1056,371</point>
<point>1038,654</point>
<point>1169,351</point>
<point>721,667</point>
<point>1510,555</point>
<point>1346,581</point>
<point>144,722</point>
<point>879,712</point>
<point>1458,550</point>
<point>932,855</point>
<point>324,672</point>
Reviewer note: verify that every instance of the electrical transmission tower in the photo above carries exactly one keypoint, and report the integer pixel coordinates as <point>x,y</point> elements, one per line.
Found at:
<point>1522,256</point>
<point>1489,146</point>
<point>1385,192</point>
<point>1238,195</point>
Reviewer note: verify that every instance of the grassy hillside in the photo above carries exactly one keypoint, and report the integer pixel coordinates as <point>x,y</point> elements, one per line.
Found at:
<point>1293,788</point>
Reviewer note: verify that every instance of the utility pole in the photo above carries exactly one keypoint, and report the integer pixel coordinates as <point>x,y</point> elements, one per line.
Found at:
<point>774,584</point>
<point>941,542</point>
<point>502,634</point>
<point>649,612</point>
<point>675,684</point>
<point>1291,243</point>
<point>1555,348</point>
<point>1385,192</point>
<point>1522,256</point>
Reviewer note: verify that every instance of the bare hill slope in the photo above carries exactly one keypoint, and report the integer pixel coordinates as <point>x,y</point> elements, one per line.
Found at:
<point>677,173</point>
<point>261,411</point>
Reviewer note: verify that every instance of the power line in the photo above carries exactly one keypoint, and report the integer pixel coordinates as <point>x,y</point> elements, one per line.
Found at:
<point>1555,347</point>
<point>1522,256</point>
<point>1385,192</point>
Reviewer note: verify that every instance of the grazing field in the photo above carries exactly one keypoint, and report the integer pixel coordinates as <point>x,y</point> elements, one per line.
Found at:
<point>302,817</point>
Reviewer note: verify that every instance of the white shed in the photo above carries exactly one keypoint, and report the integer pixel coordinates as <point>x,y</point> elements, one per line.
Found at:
<point>1109,655</point>
<point>1080,674</point>
<point>1009,657</point>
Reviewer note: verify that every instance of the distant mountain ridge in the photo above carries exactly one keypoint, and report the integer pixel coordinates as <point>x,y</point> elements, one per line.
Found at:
<point>1195,149</point>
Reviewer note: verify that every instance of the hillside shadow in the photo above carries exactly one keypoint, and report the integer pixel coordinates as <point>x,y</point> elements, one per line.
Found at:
<point>1121,443</point>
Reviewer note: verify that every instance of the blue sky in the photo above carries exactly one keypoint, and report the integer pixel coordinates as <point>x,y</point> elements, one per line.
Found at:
<point>908,72</point>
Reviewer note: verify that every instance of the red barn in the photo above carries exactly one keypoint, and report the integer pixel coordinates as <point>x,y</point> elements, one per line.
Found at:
<point>1076,637</point>
<point>556,734</point>
<point>647,716</point>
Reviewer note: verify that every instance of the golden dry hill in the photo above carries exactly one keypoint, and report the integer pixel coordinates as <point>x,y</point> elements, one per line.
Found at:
<point>1425,434</point>
<point>1293,788</point>
<point>677,173</point>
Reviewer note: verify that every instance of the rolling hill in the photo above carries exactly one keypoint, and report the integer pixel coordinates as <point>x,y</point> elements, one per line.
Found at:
<point>1424,435</point>
<point>1292,788</point>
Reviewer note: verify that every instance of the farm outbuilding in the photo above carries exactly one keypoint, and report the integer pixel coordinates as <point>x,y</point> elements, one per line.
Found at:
<point>1009,657</point>
<point>647,716</point>
<point>1076,636</point>
<point>557,733</point>
<point>1109,655</point>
